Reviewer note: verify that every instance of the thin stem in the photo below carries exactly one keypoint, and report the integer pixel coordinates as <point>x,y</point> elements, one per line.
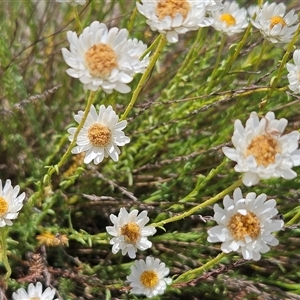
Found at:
<point>131,20</point>
<point>295,219</point>
<point>199,206</point>
<point>141,84</point>
<point>237,50</point>
<point>188,59</point>
<point>217,64</point>
<point>76,16</point>
<point>274,82</point>
<point>152,46</point>
<point>52,169</point>
<point>3,232</point>
<point>68,152</point>
<point>194,273</point>
<point>263,50</point>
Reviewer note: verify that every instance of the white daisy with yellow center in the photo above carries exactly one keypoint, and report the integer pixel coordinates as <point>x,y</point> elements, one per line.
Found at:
<point>73,2</point>
<point>102,58</point>
<point>231,19</point>
<point>294,73</point>
<point>100,135</point>
<point>148,277</point>
<point>34,293</point>
<point>130,232</point>
<point>245,224</point>
<point>174,17</point>
<point>261,151</point>
<point>274,24</point>
<point>10,203</point>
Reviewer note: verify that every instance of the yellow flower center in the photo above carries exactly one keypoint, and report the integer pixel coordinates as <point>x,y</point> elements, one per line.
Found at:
<point>35,298</point>
<point>131,232</point>
<point>3,206</point>
<point>264,149</point>
<point>149,279</point>
<point>99,135</point>
<point>241,226</point>
<point>100,60</point>
<point>277,20</point>
<point>228,19</point>
<point>172,8</point>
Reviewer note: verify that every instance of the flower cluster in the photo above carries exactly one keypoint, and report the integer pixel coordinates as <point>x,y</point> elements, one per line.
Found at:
<point>261,152</point>
<point>106,59</point>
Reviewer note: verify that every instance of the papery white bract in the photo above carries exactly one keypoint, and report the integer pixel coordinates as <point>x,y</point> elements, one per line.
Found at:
<point>100,135</point>
<point>174,17</point>
<point>10,203</point>
<point>34,292</point>
<point>148,277</point>
<point>245,224</point>
<point>129,232</point>
<point>294,73</point>
<point>73,2</point>
<point>273,22</point>
<point>261,151</point>
<point>102,58</point>
<point>212,5</point>
<point>231,19</point>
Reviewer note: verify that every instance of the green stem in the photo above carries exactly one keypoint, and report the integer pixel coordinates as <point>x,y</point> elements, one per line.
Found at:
<point>152,46</point>
<point>191,274</point>
<point>199,206</point>
<point>131,20</point>
<point>217,64</point>
<point>202,181</point>
<point>3,232</point>
<point>52,169</point>
<point>295,219</point>
<point>263,50</point>
<point>143,80</point>
<point>68,152</point>
<point>188,59</point>
<point>260,3</point>
<point>76,16</point>
<point>275,80</point>
<point>237,50</point>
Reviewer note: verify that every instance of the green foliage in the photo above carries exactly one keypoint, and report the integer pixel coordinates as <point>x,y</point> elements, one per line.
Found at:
<point>174,162</point>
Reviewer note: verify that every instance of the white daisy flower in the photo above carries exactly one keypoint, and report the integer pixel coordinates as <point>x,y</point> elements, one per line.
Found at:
<point>73,2</point>
<point>130,232</point>
<point>100,135</point>
<point>261,151</point>
<point>10,203</point>
<point>294,73</point>
<point>34,293</point>
<point>148,277</point>
<point>273,23</point>
<point>103,58</point>
<point>245,224</point>
<point>231,19</point>
<point>173,17</point>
